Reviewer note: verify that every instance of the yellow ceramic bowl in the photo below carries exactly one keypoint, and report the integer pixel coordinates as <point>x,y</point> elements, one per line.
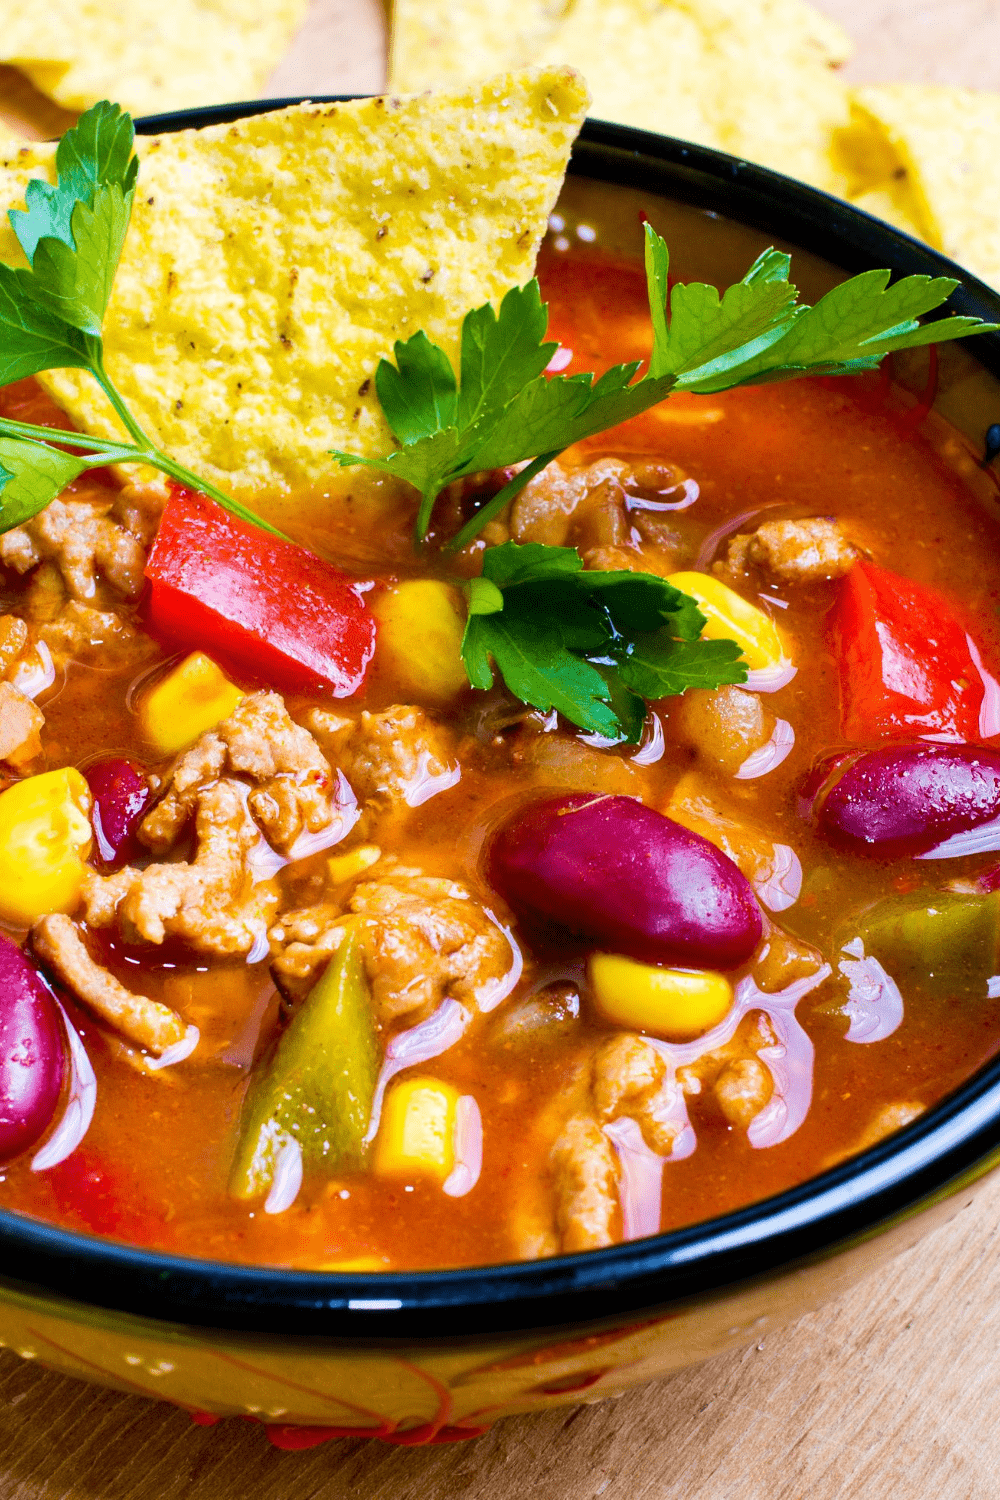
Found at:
<point>440,1355</point>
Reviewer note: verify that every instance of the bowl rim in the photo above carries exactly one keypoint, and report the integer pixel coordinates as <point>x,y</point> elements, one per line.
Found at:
<point>955,1141</point>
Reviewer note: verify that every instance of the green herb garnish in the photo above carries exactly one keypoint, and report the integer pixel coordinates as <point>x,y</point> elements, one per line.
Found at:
<point>52,314</point>
<point>503,410</point>
<point>592,645</point>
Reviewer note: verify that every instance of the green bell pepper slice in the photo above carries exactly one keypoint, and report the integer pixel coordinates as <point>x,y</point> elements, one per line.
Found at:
<point>318,1086</point>
<point>942,941</point>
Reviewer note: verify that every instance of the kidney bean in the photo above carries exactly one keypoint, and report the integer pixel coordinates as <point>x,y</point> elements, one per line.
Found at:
<point>121,798</point>
<point>906,799</point>
<point>32,1052</point>
<point>627,878</point>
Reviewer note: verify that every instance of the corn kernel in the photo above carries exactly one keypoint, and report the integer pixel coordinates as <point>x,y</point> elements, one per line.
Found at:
<point>345,866</point>
<point>194,697</point>
<point>420,639</point>
<point>729,617</point>
<point>45,837</point>
<point>674,1003</point>
<point>417,1133</point>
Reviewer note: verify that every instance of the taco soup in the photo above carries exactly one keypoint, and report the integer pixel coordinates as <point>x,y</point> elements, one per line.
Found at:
<point>374,902</point>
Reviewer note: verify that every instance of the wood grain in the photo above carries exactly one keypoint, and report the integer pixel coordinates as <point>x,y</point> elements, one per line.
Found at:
<point>921,41</point>
<point>893,1393</point>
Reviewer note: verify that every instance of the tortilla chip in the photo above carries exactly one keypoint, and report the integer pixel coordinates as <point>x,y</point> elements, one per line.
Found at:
<point>947,142</point>
<point>446,43</point>
<point>752,77</point>
<point>149,55</point>
<point>876,179</point>
<point>778,98</point>
<point>31,116</point>
<point>894,204</point>
<point>271,263</point>
<point>438,41</point>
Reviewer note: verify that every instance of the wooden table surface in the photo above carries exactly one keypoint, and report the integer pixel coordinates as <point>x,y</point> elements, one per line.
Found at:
<point>892,1393</point>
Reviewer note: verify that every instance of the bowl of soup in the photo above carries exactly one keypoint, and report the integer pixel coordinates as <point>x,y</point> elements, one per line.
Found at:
<point>463,1063</point>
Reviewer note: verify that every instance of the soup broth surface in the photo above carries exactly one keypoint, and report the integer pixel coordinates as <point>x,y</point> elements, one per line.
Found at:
<point>904,490</point>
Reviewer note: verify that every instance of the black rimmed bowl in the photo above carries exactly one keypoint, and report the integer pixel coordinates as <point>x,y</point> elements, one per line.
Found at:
<point>433,1356</point>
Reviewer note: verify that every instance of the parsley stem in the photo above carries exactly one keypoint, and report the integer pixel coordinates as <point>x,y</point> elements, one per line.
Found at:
<point>493,507</point>
<point>108,451</point>
<point>124,415</point>
<point>194,481</point>
<point>154,456</point>
<point>63,436</point>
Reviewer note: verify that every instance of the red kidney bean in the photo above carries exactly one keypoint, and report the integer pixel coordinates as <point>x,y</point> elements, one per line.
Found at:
<point>906,799</point>
<point>32,1052</point>
<point>627,878</point>
<point>121,797</point>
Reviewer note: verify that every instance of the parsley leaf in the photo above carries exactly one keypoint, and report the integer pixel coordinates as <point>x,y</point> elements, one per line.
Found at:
<point>503,410</point>
<point>32,474</point>
<point>592,645</point>
<point>32,338</point>
<point>96,152</point>
<point>72,232</point>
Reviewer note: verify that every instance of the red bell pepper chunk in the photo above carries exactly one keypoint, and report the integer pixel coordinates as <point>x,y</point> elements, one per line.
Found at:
<point>906,663</point>
<point>272,609</point>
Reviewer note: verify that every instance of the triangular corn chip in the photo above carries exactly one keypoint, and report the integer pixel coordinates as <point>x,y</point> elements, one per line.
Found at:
<point>446,43</point>
<point>752,77</point>
<point>271,263</point>
<point>947,143</point>
<point>149,55</point>
<point>876,179</point>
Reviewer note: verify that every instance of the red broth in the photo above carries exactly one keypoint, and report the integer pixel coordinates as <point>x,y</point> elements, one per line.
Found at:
<point>154,1167</point>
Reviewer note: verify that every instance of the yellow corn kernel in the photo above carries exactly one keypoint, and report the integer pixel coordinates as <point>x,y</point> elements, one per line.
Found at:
<point>345,866</point>
<point>674,1003</point>
<point>417,1133</point>
<point>420,638</point>
<point>194,697</point>
<point>728,616</point>
<point>45,837</point>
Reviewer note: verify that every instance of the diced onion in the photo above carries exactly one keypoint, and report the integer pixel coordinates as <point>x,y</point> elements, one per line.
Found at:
<point>418,1045</point>
<point>468,1145</point>
<point>641,1188</point>
<point>287,1179</point>
<point>496,990</point>
<point>32,677</point>
<point>770,754</point>
<point>770,679</point>
<point>781,886</point>
<point>79,1109</point>
<point>874,1004</point>
<point>989,710</point>
<point>981,840</point>
<point>424,784</point>
<point>175,1054</point>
